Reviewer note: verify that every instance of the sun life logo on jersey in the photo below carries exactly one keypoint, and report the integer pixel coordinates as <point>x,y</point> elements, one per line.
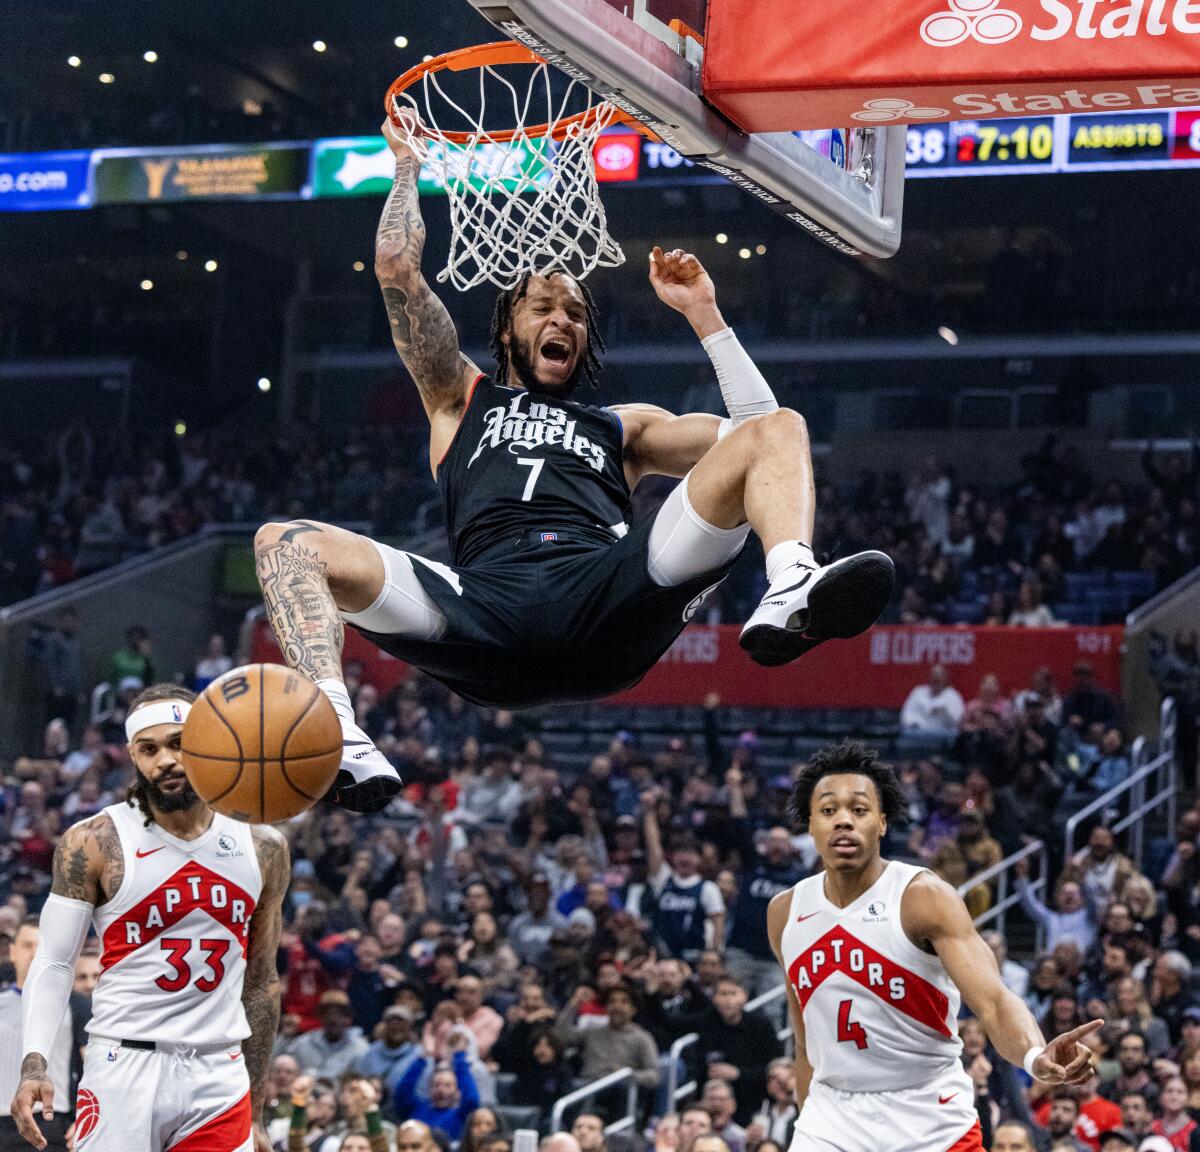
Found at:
<point>227,846</point>
<point>983,21</point>
<point>875,912</point>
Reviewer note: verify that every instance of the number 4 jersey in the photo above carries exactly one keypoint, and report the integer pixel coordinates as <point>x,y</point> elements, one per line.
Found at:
<point>880,1014</point>
<point>173,937</point>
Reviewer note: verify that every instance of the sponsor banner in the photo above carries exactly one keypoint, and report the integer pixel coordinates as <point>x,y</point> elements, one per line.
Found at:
<point>875,670</point>
<point>33,181</point>
<point>773,65</point>
<point>212,172</point>
<point>364,165</point>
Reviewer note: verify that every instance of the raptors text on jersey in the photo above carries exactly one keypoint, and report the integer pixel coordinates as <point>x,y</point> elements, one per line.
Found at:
<point>174,936</point>
<point>879,1013</point>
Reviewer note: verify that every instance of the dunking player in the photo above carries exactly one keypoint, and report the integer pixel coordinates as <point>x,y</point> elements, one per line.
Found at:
<point>187,906</point>
<point>551,597</point>
<point>876,954</point>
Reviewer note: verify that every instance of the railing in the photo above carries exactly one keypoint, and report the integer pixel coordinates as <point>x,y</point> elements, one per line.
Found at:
<point>1002,872</point>
<point>620,1076</point>
<point>1161,772</point>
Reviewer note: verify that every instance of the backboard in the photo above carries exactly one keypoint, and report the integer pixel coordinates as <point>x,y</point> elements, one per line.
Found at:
<point>844,186</point>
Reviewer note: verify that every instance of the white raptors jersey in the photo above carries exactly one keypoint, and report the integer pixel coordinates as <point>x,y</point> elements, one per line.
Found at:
<point>880,1014</point>
<point>173,937</point>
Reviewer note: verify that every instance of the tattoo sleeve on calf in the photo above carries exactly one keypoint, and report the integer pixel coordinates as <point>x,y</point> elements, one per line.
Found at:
<point>302,611</point>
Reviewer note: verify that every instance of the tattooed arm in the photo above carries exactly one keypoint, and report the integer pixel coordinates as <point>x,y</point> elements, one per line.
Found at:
<point>421,327</point>
<point>260,989</point>
<point>88,868</point>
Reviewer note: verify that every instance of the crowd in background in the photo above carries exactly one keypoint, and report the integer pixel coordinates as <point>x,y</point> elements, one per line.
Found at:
<point>508,929</point>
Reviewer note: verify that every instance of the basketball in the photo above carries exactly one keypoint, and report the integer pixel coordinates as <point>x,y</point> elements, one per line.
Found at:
<point>262,744</point>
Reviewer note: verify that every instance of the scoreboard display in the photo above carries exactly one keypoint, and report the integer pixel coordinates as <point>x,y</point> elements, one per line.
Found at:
<point>1032,144</point>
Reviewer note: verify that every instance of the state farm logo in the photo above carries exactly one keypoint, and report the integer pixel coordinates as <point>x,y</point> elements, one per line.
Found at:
<point>981,20</point>
<point>884,111</point>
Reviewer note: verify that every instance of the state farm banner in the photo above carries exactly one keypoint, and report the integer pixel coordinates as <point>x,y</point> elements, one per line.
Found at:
<point>778,65</point>
<point>875,670</point>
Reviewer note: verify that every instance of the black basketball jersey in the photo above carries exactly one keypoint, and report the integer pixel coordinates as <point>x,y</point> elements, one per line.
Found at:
<point>522,460</point>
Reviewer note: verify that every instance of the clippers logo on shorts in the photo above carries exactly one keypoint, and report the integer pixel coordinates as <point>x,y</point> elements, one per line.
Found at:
<point>694,605</point>
<point>840,952</point>
<point>192,888</point>
<point>523,425</point>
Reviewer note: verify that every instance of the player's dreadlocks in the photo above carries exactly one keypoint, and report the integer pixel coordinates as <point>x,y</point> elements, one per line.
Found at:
<point>849,758</point>
<point>502,318</point>
<point>136,796</point>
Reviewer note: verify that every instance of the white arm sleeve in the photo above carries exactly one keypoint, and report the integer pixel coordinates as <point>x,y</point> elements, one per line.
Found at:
<point>47,991</point>
<point>743,388</point>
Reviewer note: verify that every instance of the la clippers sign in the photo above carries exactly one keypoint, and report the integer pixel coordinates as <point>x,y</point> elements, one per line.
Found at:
<point>776,66</point>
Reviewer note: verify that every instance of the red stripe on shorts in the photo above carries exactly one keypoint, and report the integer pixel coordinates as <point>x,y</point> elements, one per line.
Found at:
<point>970,1141</point>
<point>223,1133</point>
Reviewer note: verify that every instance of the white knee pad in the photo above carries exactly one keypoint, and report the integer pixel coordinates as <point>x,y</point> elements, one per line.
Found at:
<point>683,545</point>
<point>403,607</point>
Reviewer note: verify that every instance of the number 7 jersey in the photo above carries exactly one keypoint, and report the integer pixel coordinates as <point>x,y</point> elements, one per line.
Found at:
<point>879,1013</point>
<point>174,936</point>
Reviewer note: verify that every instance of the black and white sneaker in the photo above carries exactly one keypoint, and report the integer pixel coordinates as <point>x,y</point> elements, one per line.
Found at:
<point>366,781</point>
<point>807,606</point>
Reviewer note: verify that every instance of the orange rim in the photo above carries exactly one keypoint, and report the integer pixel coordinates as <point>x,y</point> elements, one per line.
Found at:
<point>503,52</point>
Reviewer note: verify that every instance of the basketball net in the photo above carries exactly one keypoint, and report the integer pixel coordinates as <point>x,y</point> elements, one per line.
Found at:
<point>523,199</point>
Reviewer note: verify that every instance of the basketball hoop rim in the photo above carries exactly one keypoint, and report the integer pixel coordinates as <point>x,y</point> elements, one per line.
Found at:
<point>488,55</point>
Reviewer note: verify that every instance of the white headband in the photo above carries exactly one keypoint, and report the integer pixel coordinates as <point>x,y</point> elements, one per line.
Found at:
<point>160,712</point>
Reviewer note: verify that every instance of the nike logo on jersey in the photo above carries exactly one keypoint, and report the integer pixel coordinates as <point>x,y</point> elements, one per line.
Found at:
<point>149,851</point>
<point>947,1099</point>
<point>235,1055</point>
<point>806,916</point>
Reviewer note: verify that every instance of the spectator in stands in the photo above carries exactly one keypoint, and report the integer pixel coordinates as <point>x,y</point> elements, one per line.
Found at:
<point>486,954</point>
<point>1087,703</point>
<point>1112,767</point>
<point>1176,669</point>
<point>1102,870</point>
<point>1170,991</point>
<point>1014,975</point>
<point>1060,1119</point>
<point>685,911</point>
<point>358,1110</point>
<point>214,661</point>
<point>718,1100</point>
<point>529,932</point>
<point>132,661</point>
<point>1030,612</point>
<point>1134,1075</point>
<point>336,1046</point>
<point>451,1096</point>
<point>933,709</point>
<point>494,794</point>
<point>388,1058</point>
<point>1071,918</point>
<point>481,1124</point>
<point>673,1005</point>
<point>775,1117</point>
<point>736,1046</point>
<point>60,655</point>
<point>1130,1009</point>
<point>588,1130</point>
<point>927,499</point>
<point>1137,1117</point>
<point>1174,1122</point>
<point>619,1043</point>
<point>1012,1136</point>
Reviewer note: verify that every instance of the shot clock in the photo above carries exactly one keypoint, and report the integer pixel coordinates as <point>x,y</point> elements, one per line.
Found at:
<point>1023,141</point>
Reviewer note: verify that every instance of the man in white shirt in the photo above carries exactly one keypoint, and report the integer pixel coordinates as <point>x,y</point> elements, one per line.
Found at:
<point>933,709</point>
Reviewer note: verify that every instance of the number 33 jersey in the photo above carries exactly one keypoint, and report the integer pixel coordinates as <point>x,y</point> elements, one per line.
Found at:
<point>173,938</point>
<point>879,1013</point>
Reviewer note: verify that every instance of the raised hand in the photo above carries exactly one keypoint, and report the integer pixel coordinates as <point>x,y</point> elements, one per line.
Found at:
<point>1064,1060</point>
<point>680,282</point>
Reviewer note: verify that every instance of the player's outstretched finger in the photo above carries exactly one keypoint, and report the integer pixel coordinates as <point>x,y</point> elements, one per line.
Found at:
<point>1080,1032</point>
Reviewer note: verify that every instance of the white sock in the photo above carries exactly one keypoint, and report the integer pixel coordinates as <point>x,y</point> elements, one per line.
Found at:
<point>788,554</point>
<point>340,698</point>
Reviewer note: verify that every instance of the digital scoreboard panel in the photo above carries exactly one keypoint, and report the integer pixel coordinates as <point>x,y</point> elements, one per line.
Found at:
<point>1032,144</point>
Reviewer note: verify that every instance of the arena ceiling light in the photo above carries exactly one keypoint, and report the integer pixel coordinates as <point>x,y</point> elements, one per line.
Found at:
<point>744,253</point>
<point>264,385</point>
<point>319,45</point>
<point>74,61</point>
<point>180,428</point>
<point>721,238</point>
<point>147,285</point>
<point>358,266</point>
<point>150,56</point>
<point>761,249</point>
<point>106,78</point>
<point>949,335</point>
<point>181,254</point>
<point>401,41</point>
<point>210,265</point>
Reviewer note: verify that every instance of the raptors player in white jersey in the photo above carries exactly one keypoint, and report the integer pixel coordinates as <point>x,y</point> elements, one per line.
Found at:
<point>187,905</point>
<point>876,954</point>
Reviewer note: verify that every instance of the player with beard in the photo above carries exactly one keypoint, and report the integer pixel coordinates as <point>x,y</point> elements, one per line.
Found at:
<point>552,595</point>
<point>187,906</point>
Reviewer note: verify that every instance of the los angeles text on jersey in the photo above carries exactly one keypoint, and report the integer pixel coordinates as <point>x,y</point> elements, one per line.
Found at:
<point>524,424</point>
